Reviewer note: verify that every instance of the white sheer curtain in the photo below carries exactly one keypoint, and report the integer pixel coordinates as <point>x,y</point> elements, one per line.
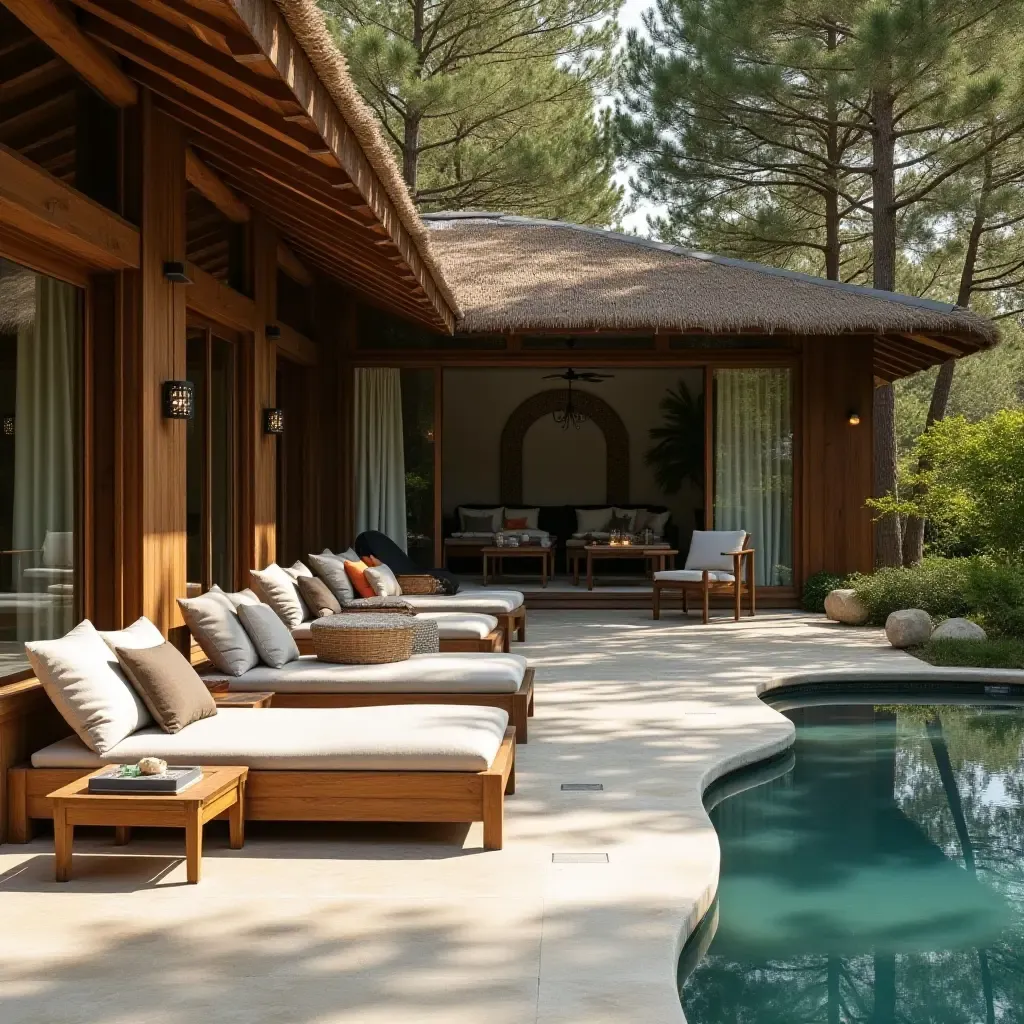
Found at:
<point>380,453</point>
<point>43,518</point>
<point>754,465</point>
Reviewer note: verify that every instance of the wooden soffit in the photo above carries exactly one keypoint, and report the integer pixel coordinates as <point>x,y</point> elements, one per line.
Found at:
<point>265,126</point>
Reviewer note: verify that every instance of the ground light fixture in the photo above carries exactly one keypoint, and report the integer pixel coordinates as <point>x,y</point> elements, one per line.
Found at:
<point>853,418</point>
<point>273,421</point>
<point>179,399</point>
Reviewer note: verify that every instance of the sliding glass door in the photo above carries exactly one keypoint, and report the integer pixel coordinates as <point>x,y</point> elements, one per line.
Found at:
<point>753,465</point>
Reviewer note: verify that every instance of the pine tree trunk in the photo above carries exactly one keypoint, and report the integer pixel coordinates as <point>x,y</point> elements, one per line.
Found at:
<point>832,179</point>
<point>411,134</point>
<point>883,205</point>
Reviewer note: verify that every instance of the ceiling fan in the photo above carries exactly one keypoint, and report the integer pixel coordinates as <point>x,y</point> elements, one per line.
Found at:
<point>570,415</point>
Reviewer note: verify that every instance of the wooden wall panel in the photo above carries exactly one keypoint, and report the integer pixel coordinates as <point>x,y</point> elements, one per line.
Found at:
<point>263,447</point>
<point>835,472</point>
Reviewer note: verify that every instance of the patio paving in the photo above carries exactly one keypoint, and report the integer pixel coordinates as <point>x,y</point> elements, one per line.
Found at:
<point>386,925</point>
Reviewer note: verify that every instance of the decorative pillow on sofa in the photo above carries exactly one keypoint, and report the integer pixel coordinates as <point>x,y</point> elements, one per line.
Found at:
<point>624,524</point>
<point>592,520</point>
<point>629,514</point>
<point>272,638</point>
<point>213,621</point>
<point>168,684</point>
<point>383,581</point>
<point>331,569</point>
<point>531,516</point>
<point>80,674</point>
<point>483,524</point>
<point>494,517</point>
<point>279,589</point>
<point>517,524</point>
<point>653,521</point>
<point>318,596</point>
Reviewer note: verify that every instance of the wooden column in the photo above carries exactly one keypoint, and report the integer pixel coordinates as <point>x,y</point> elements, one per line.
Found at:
<point>262,395</point>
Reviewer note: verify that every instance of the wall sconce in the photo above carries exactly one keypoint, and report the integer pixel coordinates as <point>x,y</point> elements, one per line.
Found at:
<point>175,271</point>
<point>853,418</point>
<point>8,426</point>
<point>179,399</point>
<point>273,421</point>
<point>272,332</point>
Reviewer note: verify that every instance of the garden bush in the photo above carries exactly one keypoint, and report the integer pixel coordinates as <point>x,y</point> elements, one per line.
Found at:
<point>1007,652</point>
<point>818,587</point>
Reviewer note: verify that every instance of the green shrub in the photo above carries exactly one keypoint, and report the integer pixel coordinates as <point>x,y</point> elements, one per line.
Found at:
<point>818,587</point>
<point>1007,652</point>
<point>989,591</point>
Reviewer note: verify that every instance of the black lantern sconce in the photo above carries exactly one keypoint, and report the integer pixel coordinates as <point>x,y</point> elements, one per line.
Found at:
<point>179,399</point>
<point>175,272</point>
<point>272,332</point>
<point>8,426</point>
<point>853,418</point>
<point>273,421</point>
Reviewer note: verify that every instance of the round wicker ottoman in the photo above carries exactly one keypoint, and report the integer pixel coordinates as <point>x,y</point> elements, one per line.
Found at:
<point>426,639</point>
<point>363,639</point>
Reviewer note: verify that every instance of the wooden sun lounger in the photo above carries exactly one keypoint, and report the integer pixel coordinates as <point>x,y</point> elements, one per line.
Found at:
<point>321,795</point>
<point>513,623</point>
<point>518,705</point>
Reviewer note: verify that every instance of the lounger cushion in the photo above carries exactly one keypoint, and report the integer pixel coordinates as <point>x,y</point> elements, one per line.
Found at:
<point>408,737</point>
<point>213,621</point>
<point>168,685</point>
<point>80,674</point>
<point>281,592</point>
<point>707,547</point>
<point>271,637</point>
<point>693,576</point>
<point>469,599</point>
<point>422,673</point>
<point>331,569</point>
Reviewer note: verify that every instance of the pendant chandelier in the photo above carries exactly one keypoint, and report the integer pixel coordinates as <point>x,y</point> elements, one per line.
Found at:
<point>571,415</point>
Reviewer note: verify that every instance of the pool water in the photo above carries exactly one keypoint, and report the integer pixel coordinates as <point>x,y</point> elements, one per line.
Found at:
<point>874,874</point>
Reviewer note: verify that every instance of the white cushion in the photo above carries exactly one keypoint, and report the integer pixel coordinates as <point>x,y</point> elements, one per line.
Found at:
<point>213,621</point>
<point>141,634</point>
<point>331,569</point>
<point>58,550</point>
<point>706,549</point>
<point>297,569</point>
<point>281,592</point>
<point>422,673</point>
<point>461,625</point>
<point>694,576</point>
<point>270,636</point>
<point>590,520</point>
<point>653,521</point>
<point>405,737</point>
<point>80,674</point>
<point>496,515</point>
<point>237,597</point>
<point>468,599</point>
<point>383,581</point>
<point>529,514</point>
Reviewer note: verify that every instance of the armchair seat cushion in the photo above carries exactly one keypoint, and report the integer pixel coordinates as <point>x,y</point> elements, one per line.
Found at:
<point>693,576</point>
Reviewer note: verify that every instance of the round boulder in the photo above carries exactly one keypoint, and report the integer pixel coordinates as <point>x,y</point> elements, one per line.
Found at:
<point>846,607</point>
<point>959,629</point>
<point>908,628</point>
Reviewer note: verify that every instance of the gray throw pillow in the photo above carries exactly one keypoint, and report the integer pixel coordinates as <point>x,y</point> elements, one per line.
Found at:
<point>318,596</point>
<point>331,569</point>
<point>168,685</point>
<point>272,638</point>
<point>477,524</point>
<point>213,621</point>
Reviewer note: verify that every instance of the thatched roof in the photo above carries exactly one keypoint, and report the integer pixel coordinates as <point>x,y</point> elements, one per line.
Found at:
<point>520,274</point>
<point>307,22</point>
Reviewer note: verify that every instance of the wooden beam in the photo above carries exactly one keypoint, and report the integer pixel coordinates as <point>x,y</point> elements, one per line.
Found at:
<point>297,347</point>
<point>41,206</point>
<point>942,346</point>
<point>293,266</point>
<point>49,22</point>
<point>206,182</point>
<point>211,298</point>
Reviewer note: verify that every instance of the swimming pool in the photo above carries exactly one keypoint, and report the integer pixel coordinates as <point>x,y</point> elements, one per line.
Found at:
<point>874,873</point>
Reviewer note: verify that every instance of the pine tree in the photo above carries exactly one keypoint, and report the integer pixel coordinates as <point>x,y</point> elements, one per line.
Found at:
<point>491,104</point>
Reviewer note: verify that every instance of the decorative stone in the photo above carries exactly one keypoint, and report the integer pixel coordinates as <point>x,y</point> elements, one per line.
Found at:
<point>846,607</point>
<point>959,629</point>
<point>152,766</point>
<point>908,628</point>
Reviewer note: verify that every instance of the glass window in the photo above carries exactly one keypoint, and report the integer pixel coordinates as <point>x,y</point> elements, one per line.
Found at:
<point>754,465</point>
<point>40,358</point>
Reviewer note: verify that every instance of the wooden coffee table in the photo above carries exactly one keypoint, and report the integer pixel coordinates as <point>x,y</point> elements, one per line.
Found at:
<point>222,788</point>
<point>657,558</point>
<point>243,698</point>
<point>545,554</point>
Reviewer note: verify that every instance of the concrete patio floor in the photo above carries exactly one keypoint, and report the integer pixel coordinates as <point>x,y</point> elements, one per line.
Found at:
<point>387,925</point>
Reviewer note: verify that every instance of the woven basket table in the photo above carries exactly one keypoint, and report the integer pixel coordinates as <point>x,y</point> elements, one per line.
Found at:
<point>426,640</point>
<point>363,639</point>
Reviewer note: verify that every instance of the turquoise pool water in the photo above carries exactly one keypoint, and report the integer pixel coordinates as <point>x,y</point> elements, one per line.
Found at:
<point>873,875</point>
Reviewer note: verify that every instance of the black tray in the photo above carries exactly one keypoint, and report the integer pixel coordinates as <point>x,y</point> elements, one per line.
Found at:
<point>176,779</point>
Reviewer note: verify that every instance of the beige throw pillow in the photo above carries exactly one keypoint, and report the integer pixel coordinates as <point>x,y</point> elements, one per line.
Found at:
<point>318,597</point>
<point>168,684</point>
<point>279,589</point>
<point>383,581</point>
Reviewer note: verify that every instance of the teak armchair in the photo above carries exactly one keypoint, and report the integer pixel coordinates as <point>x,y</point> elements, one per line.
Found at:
<point>719,562</point>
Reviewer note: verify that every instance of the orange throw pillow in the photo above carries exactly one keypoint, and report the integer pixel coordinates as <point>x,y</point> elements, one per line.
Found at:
<point>357,574</point>
<point>516,524</point>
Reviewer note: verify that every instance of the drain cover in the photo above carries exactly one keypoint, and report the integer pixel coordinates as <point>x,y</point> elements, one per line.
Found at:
<point>583,787</point>
<point>579,858</point>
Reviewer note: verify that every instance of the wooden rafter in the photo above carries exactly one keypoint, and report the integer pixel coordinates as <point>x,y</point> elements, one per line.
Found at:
<point>206,182</point>
<point>47,20</point>
<point>293,266</point>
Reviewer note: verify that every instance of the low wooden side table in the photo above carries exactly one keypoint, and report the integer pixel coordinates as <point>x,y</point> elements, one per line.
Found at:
<point>241,699</point>
<point>657,558</point>
<point>222,788</point>
<point>545,554</point>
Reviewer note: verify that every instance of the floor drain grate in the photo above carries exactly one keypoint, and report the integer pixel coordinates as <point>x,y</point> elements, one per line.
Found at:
<point>579,858</point>
<point>583,787</point>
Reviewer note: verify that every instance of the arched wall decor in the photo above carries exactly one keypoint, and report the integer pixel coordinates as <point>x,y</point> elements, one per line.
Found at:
<point>544,403</point>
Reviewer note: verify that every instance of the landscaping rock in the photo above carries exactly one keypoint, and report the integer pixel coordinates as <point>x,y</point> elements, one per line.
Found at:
<point>908,628</point>
<point>959,629</point>
<point>846,607</point>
